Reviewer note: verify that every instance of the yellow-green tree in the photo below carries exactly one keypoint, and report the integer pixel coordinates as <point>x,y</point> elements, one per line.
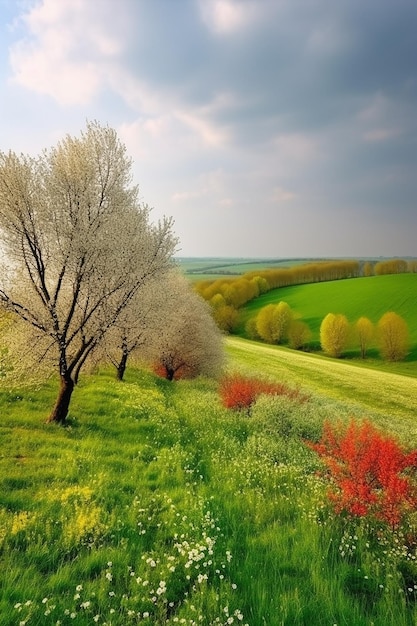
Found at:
<point>250,328</point>
<point>368,269</point>
<point>334,334</point>
<point>285,317</point>
<point>217,301</point>
<point>299,334</point>
<point>273,321</point>
<point>393,337</point>
<point>267,324</point>
<point>364,330</point>
<point>226,317</point>
<point>261,283</point>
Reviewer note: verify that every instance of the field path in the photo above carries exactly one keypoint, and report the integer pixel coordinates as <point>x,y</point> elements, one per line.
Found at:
<point>385,393</point>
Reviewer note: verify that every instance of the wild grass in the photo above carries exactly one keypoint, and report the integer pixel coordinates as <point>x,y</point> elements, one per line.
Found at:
<point>157,505</point>
<point>388,397</point>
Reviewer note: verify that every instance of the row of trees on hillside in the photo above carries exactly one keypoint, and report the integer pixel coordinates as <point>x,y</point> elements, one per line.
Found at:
<point>310,273</point>
<point>85,273</point>
<point>278,324</point>
<point>227,295</point>
<point>391,266</point>
<point>236,292</point>
<point>390,333</point>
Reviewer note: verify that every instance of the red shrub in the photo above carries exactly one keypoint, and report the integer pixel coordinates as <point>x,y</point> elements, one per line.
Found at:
<point>240,392</point>
<point>367,469</point>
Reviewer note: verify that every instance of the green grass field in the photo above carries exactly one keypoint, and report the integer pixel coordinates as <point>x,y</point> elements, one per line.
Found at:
<point>372,297</point>
<point>208,268</point>
<point>156,505</point>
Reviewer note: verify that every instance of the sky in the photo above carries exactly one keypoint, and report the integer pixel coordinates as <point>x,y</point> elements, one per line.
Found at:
<point>264,128</point>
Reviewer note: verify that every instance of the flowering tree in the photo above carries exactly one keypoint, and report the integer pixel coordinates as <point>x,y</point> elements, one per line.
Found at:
<point>188,342</point>
<point>136,325</point>
<point>77,246</point>
<point>142,325</point>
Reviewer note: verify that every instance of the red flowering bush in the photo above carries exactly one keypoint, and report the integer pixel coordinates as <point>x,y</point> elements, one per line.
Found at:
<point>240,392</point>
<point>370,472</point>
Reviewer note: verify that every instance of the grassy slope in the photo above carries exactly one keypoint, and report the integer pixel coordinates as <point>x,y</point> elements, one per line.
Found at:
<point>354,297</point>
<point>391,397</point>
<point>148,470</point>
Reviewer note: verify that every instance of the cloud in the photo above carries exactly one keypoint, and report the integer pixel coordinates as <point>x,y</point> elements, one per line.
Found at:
<point>209,133</point>
<point>225,17</point>
<point>60,56</point>
<point>234,111</point>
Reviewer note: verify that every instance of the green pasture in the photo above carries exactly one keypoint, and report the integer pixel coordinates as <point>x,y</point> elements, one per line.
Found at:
<point>208,268</point>
<point>370,297</point>
<point>157,506</point>
<point>211,268</point>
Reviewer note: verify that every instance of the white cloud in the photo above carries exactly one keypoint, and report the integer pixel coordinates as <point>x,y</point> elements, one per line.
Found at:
<point>375,119</point>
<point>67,49</point>
<point>292,155</point>
<point>295,146</point>
<point>206,131</point>
<point>231,109</point>
<point>226,16</point>
<point>66,82</point>
<point>183,196</point>
<point>139,96</point>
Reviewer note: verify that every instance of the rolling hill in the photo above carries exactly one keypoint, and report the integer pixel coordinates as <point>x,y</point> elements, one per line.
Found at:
<point>371,297</point>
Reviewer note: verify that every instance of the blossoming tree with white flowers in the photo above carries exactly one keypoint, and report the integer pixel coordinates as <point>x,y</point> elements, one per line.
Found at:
<point>76,246</point>
<point>188,341</point>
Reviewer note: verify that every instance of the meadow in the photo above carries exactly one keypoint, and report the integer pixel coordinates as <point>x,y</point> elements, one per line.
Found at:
<point>157,505</point>
<point>368,296</point>
<point>209,268</point>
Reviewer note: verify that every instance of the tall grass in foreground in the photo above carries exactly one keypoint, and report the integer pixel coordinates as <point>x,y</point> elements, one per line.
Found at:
<point>156,505</point>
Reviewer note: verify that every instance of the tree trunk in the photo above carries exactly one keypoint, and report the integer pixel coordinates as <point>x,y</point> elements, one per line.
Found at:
<point>60,410</point>
<point>170,373</point>
<point>121,368</point>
